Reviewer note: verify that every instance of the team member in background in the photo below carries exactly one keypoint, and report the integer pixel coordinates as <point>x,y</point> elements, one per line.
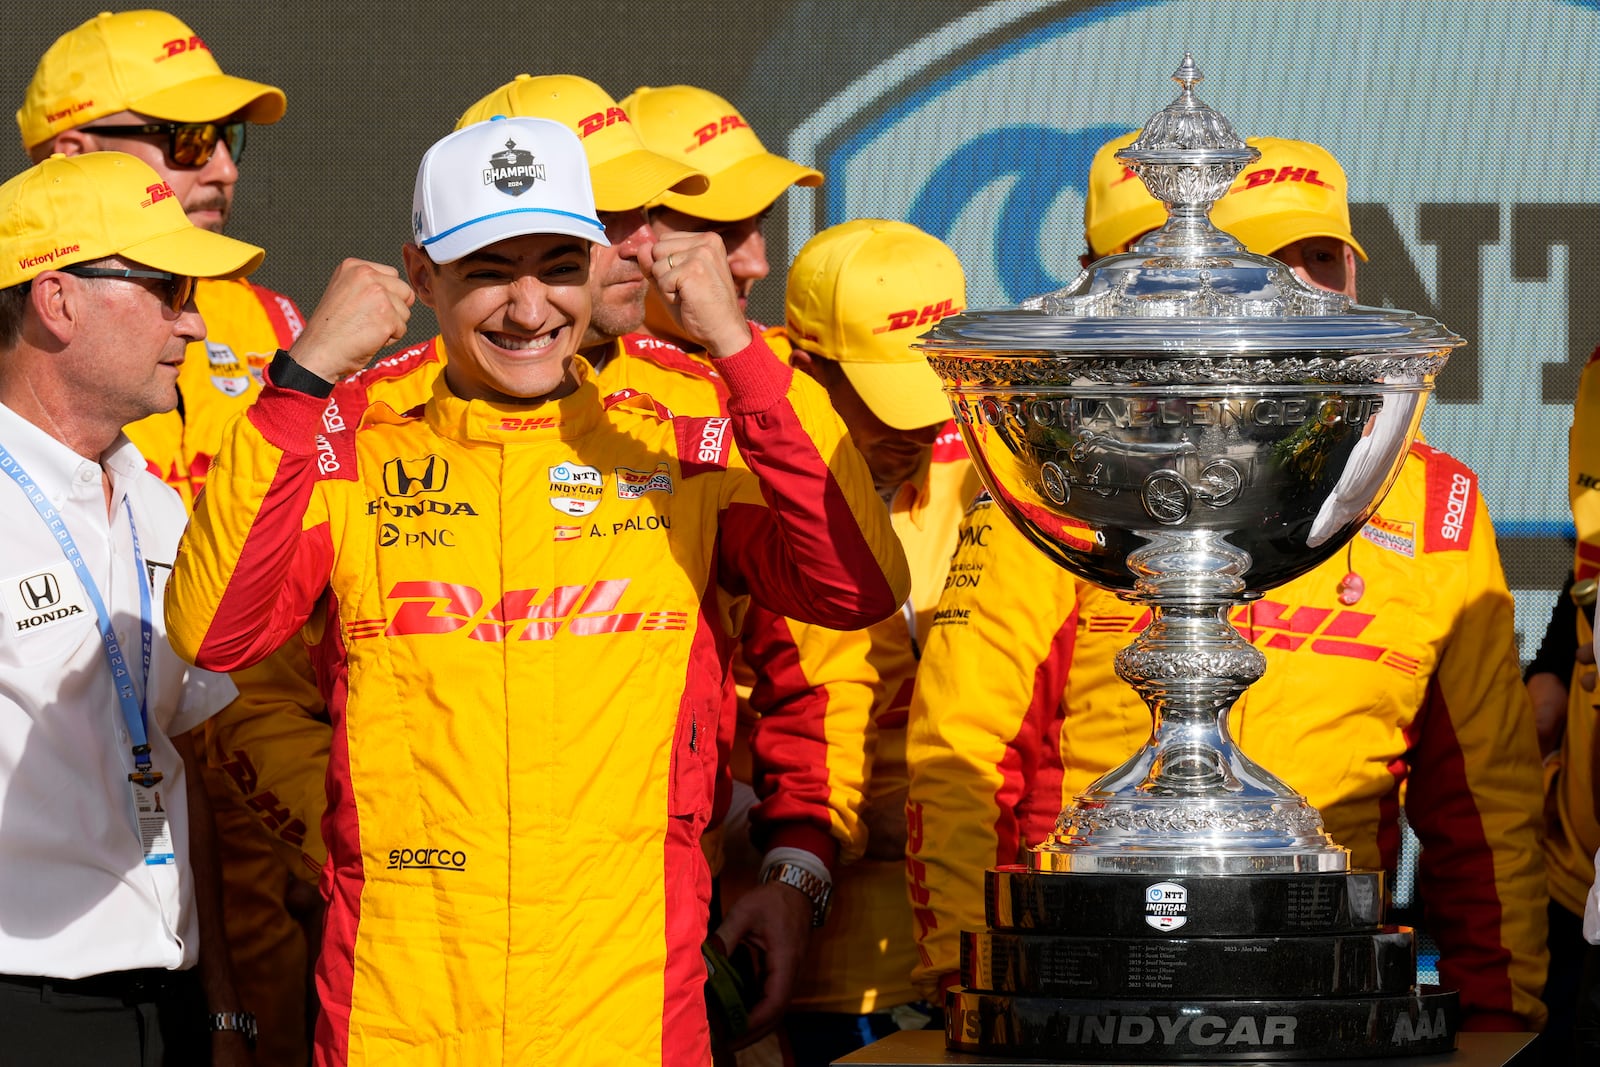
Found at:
<point>144,83</point>
<point>1572,766</point>
<point>108,892</point>
<point>859,295</point>
<point>706,132</point>
<point>1398,653</point>
<point>497,664</point>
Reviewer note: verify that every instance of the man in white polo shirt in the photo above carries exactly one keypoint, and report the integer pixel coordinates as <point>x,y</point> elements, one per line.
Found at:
<point>102,913</point>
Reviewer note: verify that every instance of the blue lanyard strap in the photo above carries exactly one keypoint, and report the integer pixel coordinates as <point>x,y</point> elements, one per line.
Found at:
<point>131,697</point>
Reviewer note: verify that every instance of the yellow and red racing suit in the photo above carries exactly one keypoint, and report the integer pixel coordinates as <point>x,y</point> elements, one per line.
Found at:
<point>861,959</point>
<point>519,598</point>
<point>812,788</point>
<point>265,753</point>
<point>1574,826</point>
<point>1410,695</point>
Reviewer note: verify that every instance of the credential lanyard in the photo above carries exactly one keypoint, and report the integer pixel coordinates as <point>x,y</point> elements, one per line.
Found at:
<point>133,700</point>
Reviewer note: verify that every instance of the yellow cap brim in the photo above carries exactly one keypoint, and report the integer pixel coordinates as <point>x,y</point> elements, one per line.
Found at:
<point>747,188</point>
<point>197,253</point>
<point>637,178</point>
<point>212,98</point>
<point>905,396</point>
<point>1266,234</point>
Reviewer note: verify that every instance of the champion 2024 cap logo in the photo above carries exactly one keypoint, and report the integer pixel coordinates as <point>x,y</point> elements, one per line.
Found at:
<point>513,171</point>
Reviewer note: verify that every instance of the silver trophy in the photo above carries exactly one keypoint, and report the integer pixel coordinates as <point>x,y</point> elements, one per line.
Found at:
<point>1188,425</point>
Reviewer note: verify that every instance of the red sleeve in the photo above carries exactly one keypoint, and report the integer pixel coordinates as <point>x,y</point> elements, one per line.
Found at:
<point>256,556</point>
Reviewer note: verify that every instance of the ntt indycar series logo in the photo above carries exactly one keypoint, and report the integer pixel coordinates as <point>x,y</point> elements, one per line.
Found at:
<point>981,132</point>
<point>1166,906</point>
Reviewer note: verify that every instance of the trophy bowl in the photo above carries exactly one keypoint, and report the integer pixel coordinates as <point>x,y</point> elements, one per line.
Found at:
<point>1189,425</point>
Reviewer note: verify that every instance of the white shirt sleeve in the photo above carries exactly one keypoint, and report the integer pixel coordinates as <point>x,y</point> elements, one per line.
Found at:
<point>204,694</point>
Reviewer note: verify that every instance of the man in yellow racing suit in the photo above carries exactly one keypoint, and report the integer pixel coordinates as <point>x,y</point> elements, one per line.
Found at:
<point>517,580</point>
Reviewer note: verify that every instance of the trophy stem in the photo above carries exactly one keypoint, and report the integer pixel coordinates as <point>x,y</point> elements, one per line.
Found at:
<point>1190,801</point>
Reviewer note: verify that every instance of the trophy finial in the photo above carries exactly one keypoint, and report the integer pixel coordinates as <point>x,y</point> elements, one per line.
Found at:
<point>1188,75</point>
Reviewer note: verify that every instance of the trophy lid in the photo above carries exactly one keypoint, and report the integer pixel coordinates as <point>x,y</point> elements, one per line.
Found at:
<point>1190,290</point>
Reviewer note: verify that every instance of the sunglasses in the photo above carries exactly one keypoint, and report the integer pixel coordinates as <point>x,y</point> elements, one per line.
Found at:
<point>189,144</point>
<point>177,291</point>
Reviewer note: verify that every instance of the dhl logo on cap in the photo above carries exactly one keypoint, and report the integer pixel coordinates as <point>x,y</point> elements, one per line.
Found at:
<point>592,124</point>
<point>927,315</point>
<point>1272,175</point>
<point>705,134</point>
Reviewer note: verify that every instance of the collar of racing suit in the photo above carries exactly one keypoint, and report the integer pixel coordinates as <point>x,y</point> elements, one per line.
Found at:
<point>573,416</point>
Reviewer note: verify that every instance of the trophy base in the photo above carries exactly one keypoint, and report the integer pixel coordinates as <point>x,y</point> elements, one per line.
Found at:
<point>1307,965</point>
<point>1124,905</point>
<point>1101,1030</point>
<point>1130,968</point>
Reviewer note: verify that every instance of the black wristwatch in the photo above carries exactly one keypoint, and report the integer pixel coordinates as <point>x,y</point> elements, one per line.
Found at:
<point>241,1022</point>
<point>818,891</point>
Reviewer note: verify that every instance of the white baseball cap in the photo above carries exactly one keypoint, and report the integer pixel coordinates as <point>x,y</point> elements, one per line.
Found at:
<point>507,177</point>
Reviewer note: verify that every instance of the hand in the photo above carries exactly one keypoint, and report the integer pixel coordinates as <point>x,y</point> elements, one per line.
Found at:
<point>885,817</point>
<point>1548,694</point>
<point>690,271</point>
<point>365,307</point>
<point>774,920</point>
<point>229,1049</point>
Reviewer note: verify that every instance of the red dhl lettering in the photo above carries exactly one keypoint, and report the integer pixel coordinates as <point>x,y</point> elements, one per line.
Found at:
<point>927,315</point>
<point>1323,631</point>
<point>705,134</point>
<point>158,192</point>
<point>1272,176</point>
<point>179,46</point>
<point>540,422</point>
<point>1588,561</point>
<point>592,124</point>
<point>521,614</point>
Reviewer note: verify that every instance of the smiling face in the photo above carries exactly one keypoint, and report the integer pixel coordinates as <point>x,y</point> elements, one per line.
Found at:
<point>512,315</point>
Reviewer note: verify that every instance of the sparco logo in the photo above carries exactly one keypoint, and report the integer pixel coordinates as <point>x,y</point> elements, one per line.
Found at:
<point>427,859</point>
<point>713,440</point>
<point>410,477</point>
<point>513,171</point>
<point>1455,509</point>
